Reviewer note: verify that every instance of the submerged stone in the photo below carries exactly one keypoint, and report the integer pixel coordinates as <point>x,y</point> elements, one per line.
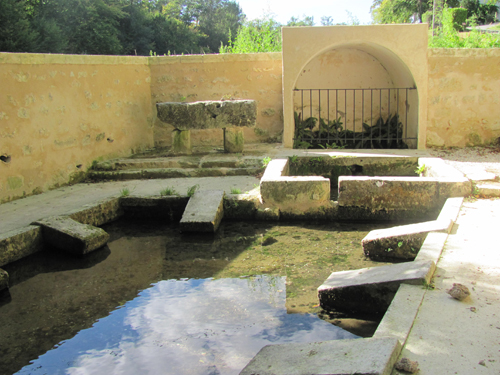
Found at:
<point>71,236</point>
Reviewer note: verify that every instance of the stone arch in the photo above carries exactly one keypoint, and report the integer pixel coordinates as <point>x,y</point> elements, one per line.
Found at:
<point>355,58</point>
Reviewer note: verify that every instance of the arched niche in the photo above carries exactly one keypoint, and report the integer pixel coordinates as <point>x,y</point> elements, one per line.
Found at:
<point>366,72</point>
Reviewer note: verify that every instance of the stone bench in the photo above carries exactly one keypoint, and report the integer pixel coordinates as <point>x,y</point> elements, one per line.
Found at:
<point>229,115</point>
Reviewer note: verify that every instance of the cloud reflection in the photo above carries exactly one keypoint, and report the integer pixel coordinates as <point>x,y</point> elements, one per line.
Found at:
<point>195,326</point>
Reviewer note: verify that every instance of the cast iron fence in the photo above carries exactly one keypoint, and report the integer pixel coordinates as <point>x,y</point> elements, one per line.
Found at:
<point>354,118</point>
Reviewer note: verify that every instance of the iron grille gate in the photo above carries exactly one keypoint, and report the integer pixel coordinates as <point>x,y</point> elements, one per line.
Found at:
<point>353,118</point>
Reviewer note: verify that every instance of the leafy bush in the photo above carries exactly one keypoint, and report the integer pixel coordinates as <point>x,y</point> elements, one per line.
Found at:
<point>456,17</point>
<point>261,35</point>
<point>331,134</point>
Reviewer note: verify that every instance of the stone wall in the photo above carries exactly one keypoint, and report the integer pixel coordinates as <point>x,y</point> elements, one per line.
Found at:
<point>59,113</point>
<point>219,77</point>
<point>464,97</point>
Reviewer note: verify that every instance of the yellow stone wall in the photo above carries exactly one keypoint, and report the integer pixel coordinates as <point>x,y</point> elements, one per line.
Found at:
<point>464,97</point>
<point>58,113</point>
<point>216,77</point>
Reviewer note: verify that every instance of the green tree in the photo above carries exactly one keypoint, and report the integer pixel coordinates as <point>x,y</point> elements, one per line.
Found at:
<point>260,35</point>
<point>305,21</point>
<point>216,19</point>
<point>16,31</point>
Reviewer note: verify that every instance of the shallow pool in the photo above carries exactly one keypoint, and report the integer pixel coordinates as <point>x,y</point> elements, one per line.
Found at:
<point>155,301</point>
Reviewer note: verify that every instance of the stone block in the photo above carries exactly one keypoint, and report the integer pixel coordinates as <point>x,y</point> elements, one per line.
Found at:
<point>337,357</point>
<point>71,236</point>
<point>371,290</point>
<point>267,214</point>
<point>204,212</point>
<point>233,140</point>
<point>377,193</point>
<point>20,243</point>
<point>401,242</point>
<point>208,114</point>
<point>181,142</point>
<point>240,206</point>
<point>297,192</point>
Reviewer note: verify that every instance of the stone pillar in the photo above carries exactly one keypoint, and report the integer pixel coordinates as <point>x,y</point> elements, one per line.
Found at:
<point>233,140</point>
<point>181,141</point>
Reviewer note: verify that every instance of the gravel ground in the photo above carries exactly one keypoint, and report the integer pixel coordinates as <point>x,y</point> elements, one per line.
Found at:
<point>471,160</point>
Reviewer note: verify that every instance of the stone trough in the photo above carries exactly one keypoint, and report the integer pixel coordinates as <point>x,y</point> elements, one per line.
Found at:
<point>229,115</point>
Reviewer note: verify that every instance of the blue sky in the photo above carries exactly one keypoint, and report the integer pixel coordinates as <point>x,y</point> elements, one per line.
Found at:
<point>283,10</point>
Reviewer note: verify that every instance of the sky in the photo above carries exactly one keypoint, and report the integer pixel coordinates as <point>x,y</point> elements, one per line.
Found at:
<point>283,10</point>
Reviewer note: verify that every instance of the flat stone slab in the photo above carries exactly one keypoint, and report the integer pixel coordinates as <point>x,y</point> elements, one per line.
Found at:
<point>204,212</point>
<point>401,242</point>
<point>208,114</point>
<point>71,236</point>
<point>4,280</point>
<point>341,357</point>
<point>371,290</point>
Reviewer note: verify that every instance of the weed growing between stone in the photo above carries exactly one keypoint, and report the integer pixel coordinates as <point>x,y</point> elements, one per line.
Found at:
<point>168,191</point>
<point>191,190</point>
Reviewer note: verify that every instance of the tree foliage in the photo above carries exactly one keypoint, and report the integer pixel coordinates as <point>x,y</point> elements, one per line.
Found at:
<point>117,26</point>
<point>405,11</point>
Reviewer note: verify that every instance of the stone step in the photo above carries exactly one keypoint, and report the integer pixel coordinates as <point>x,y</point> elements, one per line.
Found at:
<point>179,162</point>
<point>203,212</point>
<point>371,356</point>
<point>371,290</point>
<point>160,173</point>
<point>71,236</point>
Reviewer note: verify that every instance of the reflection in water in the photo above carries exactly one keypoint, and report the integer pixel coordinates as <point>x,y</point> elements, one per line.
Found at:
<point>189,326</point>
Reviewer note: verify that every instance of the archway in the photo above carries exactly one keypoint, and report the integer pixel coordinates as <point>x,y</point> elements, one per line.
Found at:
<point>355,92</point>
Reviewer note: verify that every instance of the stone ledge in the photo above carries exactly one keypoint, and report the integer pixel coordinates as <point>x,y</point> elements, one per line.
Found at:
<point>20,243</point>
<point>398,319</point>
<point>371,356</point>
<point>401,242</point>
<point>371,290</point>
<point>402,193</point>
<point>68,235</point>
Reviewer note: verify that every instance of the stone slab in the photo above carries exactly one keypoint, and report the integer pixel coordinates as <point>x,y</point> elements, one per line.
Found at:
<point>204,212</point>
<point>401,242</point>
<point>371,290</point>
<point>404,193</point>
<point>4,280</point>
<point>20,243</point>
<point>68,235</point>
<point>208,114</point>
<point>371,356</point>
